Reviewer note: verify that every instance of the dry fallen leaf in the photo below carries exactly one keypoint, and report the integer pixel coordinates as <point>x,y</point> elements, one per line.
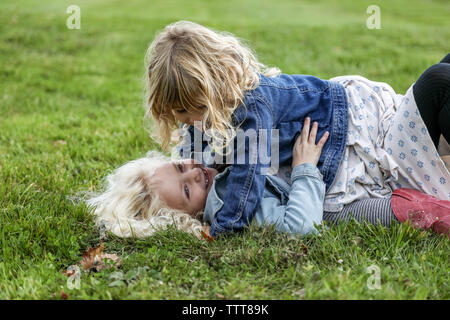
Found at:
<point>89,257</point>
<point>68,272</point>
<point>207,236</point>
<point>64,295</point>
<point>95,259</point>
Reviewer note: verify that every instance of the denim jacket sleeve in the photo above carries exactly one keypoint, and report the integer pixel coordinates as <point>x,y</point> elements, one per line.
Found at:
<point>245,183</point>
<point>304,207</point>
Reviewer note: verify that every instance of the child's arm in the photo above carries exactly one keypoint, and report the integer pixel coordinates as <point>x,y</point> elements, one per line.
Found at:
<point>305,204</point>
<point>304,208</point>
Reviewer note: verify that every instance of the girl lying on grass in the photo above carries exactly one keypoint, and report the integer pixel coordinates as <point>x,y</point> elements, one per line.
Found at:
<point>379,141</point>
<point>148,194</point>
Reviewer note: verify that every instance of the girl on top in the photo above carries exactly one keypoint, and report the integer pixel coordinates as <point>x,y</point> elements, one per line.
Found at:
<point>378,140</point>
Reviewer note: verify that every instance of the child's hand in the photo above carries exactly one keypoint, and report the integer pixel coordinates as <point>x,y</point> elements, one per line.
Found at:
<point>305,148</point>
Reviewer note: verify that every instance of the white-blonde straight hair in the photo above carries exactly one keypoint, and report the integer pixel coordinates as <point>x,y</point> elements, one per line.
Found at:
<point>197,69</point>
<point>128,207</point>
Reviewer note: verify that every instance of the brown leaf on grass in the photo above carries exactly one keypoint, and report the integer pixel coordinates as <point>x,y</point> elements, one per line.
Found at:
<point>68,272</point>
<point>94,258</point>
<point>64,295</point>
<point>88,261</point>
<point>207,237</point>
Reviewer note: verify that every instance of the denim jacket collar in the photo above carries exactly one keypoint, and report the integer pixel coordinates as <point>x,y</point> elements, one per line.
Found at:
<point>213,201</point>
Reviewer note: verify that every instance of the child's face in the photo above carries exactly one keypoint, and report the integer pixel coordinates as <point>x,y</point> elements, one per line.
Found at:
<point>188,117</point>
<point>184,184</point>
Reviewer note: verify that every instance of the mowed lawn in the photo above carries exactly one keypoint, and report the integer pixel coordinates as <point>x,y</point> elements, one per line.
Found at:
<point>71,110</point>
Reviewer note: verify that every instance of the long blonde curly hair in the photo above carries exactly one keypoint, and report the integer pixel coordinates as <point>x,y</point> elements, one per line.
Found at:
<point>194,68</point>
<point>130,207</point>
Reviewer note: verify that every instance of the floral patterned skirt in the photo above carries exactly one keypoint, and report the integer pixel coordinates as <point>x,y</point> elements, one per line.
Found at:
<point>388,147</point>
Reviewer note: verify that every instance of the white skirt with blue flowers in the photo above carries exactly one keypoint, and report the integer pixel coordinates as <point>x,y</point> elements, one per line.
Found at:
<point>388,147</point>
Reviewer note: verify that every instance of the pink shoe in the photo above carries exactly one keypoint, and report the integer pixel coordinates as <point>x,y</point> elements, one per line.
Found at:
<point>422,210</point>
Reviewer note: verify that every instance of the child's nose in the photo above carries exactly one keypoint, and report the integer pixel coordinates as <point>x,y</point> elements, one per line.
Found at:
<point>194,174</point>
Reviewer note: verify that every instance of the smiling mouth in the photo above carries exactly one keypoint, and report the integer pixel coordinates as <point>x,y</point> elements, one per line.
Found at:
<point>207,177</point>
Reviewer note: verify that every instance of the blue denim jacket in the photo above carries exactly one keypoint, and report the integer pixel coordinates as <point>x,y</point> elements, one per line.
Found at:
<point>292,208</point>
<point>280,103</point>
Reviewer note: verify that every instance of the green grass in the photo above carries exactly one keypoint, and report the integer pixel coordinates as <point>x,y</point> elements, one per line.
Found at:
<point>85,87</point>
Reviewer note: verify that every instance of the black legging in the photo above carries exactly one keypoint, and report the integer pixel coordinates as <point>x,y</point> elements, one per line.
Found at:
<point>432,95</point>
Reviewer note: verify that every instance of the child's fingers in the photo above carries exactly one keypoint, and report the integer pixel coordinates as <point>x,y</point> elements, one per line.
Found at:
<point>313,133</point>
<point>305,130</point>
<point>324,139</point>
